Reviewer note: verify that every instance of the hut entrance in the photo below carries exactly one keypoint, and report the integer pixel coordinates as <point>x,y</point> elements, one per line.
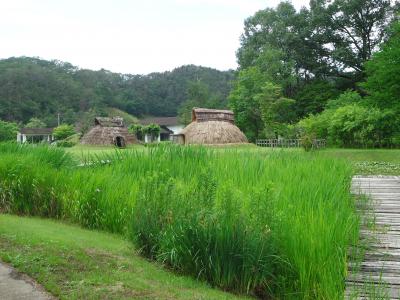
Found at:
<point>120,142</point>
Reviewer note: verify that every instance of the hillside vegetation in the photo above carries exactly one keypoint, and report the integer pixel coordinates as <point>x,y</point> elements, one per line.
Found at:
<point>32,87</point>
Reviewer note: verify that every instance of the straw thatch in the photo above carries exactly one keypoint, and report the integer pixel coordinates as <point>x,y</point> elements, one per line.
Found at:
<point>212,127</point>
<point>109,131</point>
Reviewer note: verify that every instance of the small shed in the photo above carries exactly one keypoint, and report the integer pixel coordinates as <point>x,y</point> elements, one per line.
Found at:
<point>35,135</point>
<point>109,131</point>
<point>211,127</point>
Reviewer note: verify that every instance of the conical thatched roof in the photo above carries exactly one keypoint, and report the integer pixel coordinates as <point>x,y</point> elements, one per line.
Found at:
<point>211,126</point>
<point>109,131</point>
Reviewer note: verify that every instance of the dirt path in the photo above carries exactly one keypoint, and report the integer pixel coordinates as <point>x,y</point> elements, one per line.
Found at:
<point>17,286</point>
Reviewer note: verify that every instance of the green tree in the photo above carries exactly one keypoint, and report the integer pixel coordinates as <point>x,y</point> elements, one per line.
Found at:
<point>8,131</point>
<point>63,131</point>
<point>353,29</point>
<point>35,123</point>
<point>244,103</point>
<point>313,97</point>
<point>185,111</point>
<point>316,53</point>
<point>137,130</point>
<point>276,110</point>
<point>153,130</point>
<point>347,98</point>
<point>383,70</point>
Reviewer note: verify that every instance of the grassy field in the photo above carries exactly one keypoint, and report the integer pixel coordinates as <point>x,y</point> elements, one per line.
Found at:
<point>251,221</point>
<point>74,263</point>
<point>369,161</point>
<point>363,161</point>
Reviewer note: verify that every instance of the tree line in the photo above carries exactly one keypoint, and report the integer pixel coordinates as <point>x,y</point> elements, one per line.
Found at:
<point>330,71</point>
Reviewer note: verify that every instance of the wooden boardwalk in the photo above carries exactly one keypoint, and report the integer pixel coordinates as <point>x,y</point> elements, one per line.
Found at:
<point>378,275</point>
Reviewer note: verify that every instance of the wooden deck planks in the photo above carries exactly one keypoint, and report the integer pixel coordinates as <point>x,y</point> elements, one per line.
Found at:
<point>378,275</point>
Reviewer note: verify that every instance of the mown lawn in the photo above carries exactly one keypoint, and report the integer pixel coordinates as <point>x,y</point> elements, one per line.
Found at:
<point>74,263</point>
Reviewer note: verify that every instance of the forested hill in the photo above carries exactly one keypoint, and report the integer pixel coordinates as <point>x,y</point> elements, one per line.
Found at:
<point>32,87</point>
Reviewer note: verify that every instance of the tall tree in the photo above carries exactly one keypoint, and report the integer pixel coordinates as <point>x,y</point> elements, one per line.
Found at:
<point>243,101</point>
<point>383,70</point>
<point>351,30</point>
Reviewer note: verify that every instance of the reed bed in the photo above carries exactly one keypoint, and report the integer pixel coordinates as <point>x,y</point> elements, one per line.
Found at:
<point>274,225</point>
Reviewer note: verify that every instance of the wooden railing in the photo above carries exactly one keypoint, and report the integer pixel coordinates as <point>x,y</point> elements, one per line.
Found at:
<point>288,143</point>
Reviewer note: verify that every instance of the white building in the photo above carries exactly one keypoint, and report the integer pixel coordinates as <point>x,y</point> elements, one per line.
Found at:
<point>35,135</point>
<point>168,127</point>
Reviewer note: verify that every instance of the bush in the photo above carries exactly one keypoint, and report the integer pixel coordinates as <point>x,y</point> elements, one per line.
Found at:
<point>8,131</point>
<point>63,131</point>
<point>347,98</point>
<point>65,143</point>
<point>353,125</point>
<point>137,130</point>
<point>307,141</point>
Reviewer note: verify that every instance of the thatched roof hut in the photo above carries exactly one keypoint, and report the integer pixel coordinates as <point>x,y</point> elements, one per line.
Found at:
<point>109,131</point>
<point>211,127</point>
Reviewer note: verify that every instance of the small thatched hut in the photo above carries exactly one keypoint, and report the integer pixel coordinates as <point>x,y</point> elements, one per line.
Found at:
<point>211,127</point>
<point>109,131</point>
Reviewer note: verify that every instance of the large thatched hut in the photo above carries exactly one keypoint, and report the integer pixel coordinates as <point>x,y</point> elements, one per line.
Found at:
<point>109,131</point>
<point>211,127</point>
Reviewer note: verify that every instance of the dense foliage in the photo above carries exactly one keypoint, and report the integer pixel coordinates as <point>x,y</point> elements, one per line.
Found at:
<point>8,131</point>
<point>63,131</point>
<point>314,55</point>
<point>383,71</point>
<point>263,230</point>
<point>31,87</point>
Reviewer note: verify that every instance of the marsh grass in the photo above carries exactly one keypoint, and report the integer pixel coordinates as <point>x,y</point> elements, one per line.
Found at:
<point>274,224</point>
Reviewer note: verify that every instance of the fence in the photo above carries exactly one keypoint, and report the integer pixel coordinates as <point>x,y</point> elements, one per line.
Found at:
<point>289,143</point>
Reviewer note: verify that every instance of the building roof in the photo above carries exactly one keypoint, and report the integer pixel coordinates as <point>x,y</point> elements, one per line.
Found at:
<point>162,121</point>
<point>109,122</point>
<point>206,114</point>
<point>37,131</point>
<point>164,129</point>
<point>213,132</point>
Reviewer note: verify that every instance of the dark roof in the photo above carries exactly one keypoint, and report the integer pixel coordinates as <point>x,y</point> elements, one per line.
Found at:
<point>38,131</point>
<point>164,129</point>
<point>109,122</point>
<point>166,121</point>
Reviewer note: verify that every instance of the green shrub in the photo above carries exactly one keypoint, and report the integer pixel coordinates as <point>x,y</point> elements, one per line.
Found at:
<point>8,131</point>
<point>65,143</point>
<point>307,141</point>
<point>353,125</point>
<point>63,131</point>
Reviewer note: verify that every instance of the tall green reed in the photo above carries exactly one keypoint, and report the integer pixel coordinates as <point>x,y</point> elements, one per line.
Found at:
<point>273,224</point>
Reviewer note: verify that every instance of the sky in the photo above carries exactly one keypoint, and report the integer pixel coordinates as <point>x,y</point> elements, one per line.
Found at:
<point>128,36</point>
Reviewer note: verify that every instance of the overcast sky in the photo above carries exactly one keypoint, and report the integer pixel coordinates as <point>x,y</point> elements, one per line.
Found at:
<point>128,36</point>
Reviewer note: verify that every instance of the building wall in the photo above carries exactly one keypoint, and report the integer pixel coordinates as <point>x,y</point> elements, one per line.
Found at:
<point>147,138</point>
<point>23,138</point>
<point>175,128</point>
